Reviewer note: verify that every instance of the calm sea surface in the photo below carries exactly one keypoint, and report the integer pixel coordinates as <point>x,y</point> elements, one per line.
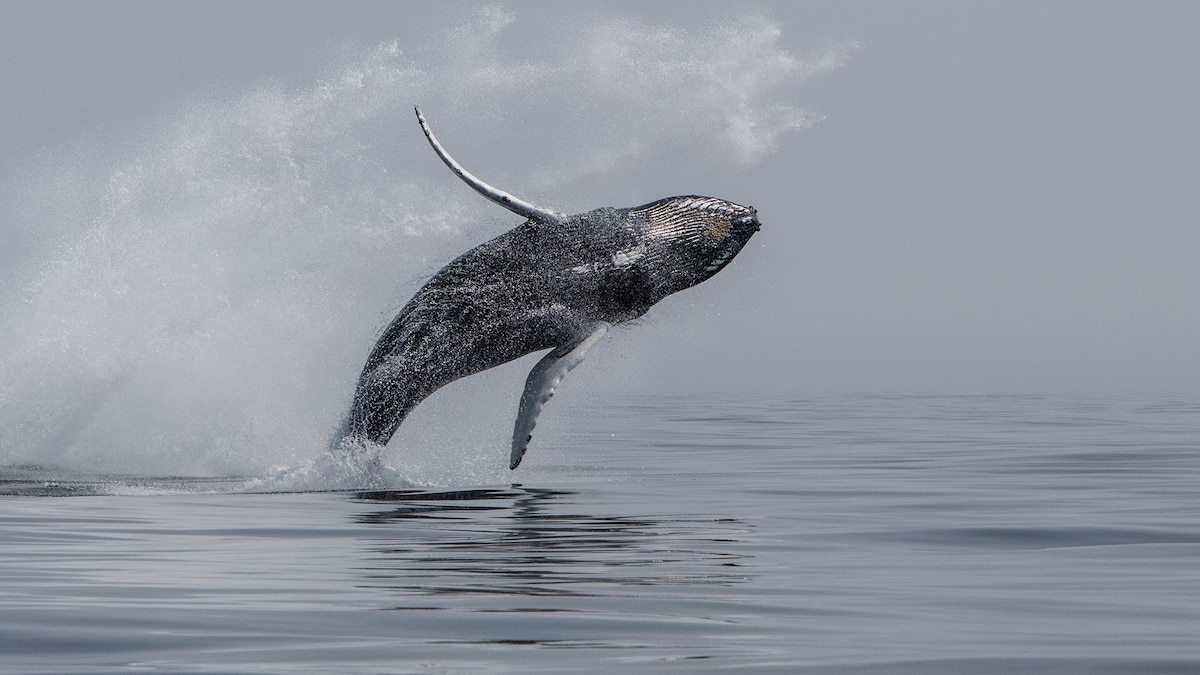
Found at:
<point>841,534</point>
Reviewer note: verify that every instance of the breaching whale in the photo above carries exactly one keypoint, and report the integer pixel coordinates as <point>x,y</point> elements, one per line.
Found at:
<point>554,282</point>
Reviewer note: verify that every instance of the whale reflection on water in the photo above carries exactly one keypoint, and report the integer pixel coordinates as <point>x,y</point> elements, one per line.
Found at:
<point>522,541</point>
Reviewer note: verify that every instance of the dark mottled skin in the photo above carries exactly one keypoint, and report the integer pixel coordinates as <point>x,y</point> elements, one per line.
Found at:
<point>540,286</point>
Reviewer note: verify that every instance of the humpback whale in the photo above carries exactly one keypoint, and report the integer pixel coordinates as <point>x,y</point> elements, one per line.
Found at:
<point>556,282</point>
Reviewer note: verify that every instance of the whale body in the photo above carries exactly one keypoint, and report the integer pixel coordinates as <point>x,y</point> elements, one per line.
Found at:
<point>554,282</point>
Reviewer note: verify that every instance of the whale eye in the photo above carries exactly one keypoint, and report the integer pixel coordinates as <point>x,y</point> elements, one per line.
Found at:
<point>716,229</point>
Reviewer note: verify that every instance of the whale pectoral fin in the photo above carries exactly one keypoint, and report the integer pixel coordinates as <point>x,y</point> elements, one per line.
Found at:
<point>512,203</point>
<point>542,382</point>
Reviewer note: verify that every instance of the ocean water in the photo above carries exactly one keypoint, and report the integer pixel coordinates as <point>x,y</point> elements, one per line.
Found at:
<point>690,533</point>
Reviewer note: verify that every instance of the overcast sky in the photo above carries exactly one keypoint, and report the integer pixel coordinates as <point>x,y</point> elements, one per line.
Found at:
<point>966,197</point>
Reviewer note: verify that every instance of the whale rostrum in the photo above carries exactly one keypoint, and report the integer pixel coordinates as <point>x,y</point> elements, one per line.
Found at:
<point>555,282</point>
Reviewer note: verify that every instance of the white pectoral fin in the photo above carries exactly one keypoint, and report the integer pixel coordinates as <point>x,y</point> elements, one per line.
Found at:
<point>542,382</point>
<point>511,202</point>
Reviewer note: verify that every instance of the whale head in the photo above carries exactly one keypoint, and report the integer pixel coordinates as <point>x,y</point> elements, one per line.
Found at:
<point>691,238</point>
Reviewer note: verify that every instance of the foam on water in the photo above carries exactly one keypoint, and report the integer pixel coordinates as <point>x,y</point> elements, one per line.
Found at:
<point>199,300</point>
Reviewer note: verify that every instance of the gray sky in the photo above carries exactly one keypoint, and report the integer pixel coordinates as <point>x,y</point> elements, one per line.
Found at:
<point>997,196</point>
